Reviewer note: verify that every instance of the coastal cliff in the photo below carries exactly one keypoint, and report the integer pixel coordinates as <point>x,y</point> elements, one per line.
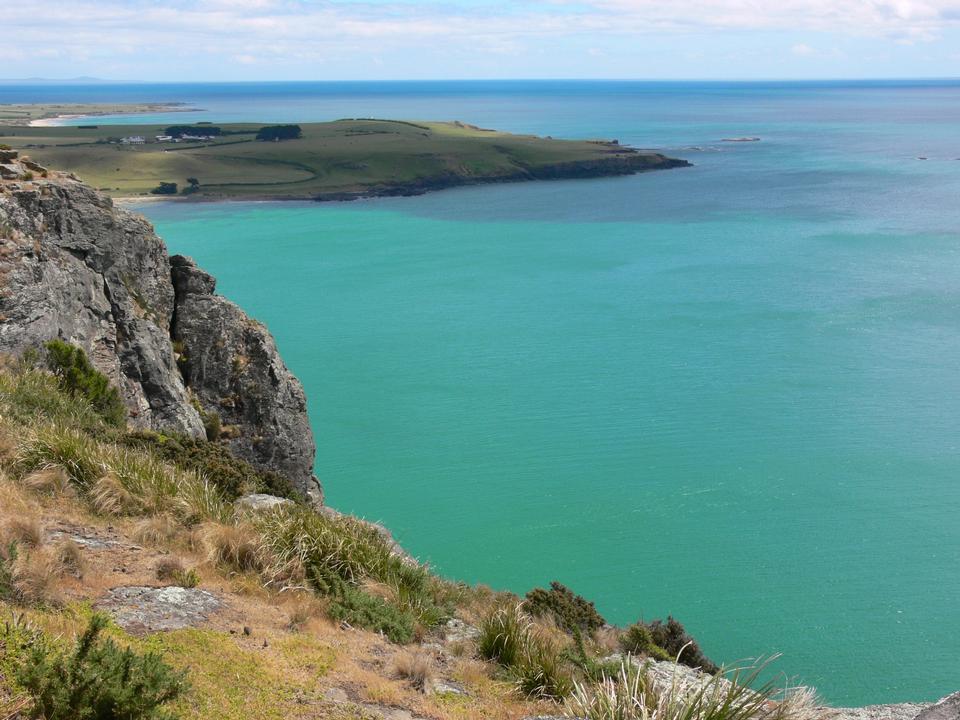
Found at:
<point>76,268</point>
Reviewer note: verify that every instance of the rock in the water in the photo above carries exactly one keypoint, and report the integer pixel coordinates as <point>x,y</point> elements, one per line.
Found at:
<point>232,366</point>
<point>946,709</point>
<point>150,609</point>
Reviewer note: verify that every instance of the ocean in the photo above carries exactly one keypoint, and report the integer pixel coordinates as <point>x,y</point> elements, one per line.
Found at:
<point>729,392</point>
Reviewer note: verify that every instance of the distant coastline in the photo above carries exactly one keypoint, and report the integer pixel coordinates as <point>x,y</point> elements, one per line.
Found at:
<point>54,114</point>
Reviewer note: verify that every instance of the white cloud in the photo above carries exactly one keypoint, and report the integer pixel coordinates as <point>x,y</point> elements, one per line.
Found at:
<point>247,31</point>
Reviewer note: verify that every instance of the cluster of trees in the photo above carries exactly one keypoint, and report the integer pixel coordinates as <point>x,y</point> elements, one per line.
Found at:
<point>280,132</point>
<point>170,188</point>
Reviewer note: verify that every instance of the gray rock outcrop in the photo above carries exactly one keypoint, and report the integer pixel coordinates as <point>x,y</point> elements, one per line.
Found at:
<point>946,709</point>
<point>231,364</point>
<point>74,267</point>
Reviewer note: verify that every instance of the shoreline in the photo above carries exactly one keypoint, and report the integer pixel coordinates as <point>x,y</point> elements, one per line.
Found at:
<point>57,119</point>
<point>576,170</point>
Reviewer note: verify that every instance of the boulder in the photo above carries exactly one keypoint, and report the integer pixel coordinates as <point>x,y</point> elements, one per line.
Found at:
<point>258,502</point>
<point>946,709</point>
<point>150,609</point>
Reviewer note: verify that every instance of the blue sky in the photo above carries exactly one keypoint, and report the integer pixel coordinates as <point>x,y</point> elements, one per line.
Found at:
<point>428,39</point>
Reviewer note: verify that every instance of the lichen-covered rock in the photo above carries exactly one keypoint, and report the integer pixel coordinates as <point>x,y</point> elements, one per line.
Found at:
<point>150,609</point>
<point>231,364</point>
<point>74,267</point>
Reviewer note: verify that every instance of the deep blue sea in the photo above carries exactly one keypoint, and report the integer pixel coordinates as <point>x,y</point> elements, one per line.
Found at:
<point>728,392</point>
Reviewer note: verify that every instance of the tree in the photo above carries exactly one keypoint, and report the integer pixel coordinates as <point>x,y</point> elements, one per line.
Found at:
<point>280,132</point>
<point>165,188</point>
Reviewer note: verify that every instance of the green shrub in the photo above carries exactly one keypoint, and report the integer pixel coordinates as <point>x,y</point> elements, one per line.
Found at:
<point>186,578</point>
<point>592,668</point>
<point>360,609</point>
<point>637,640</point>
<point>165,188</point>
<point>570,611</point>
<point>232,476</point>
<point>97,680</point>
<point>677,644</point>
<point>79,377</point>
<point>211,425</point>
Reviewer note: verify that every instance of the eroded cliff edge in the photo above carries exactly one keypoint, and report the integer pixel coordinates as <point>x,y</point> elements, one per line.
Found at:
<point>74,267</point>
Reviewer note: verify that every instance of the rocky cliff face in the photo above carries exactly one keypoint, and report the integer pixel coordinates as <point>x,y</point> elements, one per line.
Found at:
<point>72,266</point>
<point>231,363</point>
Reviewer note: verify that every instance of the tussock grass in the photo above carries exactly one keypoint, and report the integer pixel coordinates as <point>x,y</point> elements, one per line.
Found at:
<point>156,530</point>
<point>737,694</point>
<point>51,480</point>
<point>59,445</point>
<point>504,634</point>
<point>25,530</point>
<point>70,557</point>
<point>36,578</point>
<point>233,546</point>
<point>172,570</point>
<point>109,496</point>
<point>417,667</point>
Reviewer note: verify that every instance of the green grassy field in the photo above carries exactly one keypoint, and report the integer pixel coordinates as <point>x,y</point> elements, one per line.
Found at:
<point>334,160</point>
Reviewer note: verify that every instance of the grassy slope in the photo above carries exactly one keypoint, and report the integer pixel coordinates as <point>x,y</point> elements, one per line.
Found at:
<point>342,158</point>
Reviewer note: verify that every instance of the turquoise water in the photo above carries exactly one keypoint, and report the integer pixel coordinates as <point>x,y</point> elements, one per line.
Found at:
<point>728,392</point>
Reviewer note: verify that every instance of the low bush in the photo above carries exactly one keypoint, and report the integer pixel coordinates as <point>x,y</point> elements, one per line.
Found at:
<point>355,607</point>
<point>673,638</point>
<point>637,640</point>
<point>231,475</point>
<point>171,569</point>
<point>79,377</point>
<point>97,680</point>
<point>570,611</point>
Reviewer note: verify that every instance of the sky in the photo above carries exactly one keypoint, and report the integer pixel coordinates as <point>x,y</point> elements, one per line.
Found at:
<point>228,40</point>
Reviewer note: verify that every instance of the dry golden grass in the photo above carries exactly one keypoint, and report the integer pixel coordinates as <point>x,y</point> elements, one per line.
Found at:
<point>8,446</point>
<point>50,481</point>
<point>36,578</point>
<point>25,530</point>
<point>379,690</point>
<point>302,609</point>
<point>70,557</point>
<point>156,530</point>
<point>169,567</point>
<point>109,497</point>
<point>415,666</point>
<point>232,546</point>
